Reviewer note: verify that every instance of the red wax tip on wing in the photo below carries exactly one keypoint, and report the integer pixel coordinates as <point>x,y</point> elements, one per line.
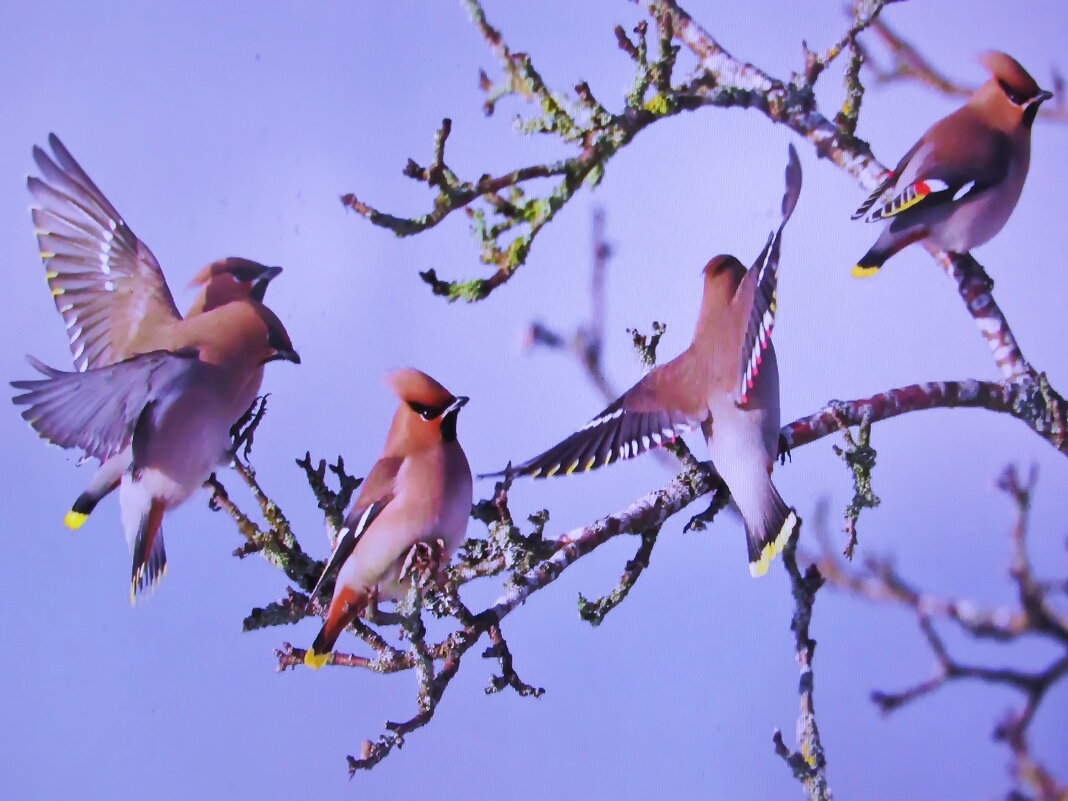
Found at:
<point>923,188</point>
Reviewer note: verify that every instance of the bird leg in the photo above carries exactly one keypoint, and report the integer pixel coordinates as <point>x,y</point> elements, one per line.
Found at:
<point>720,498</point>
<point>243,431</point>
<point>784,450</point>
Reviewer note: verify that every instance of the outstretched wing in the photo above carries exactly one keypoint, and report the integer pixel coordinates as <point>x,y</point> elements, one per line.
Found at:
<point>664,404</point>
<point>759,288</point>
<point>375,494</point>
<point>105,281</point>
<point>98,410</point>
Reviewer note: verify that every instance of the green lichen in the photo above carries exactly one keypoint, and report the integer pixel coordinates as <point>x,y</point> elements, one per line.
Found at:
<point>469,291</point>
<point>660,105</point>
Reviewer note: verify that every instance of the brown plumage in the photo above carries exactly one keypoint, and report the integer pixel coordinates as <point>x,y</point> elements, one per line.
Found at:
<point>958,185</point>
<point>417,493</point>
<point>726,382</point>
<point>154,394</point>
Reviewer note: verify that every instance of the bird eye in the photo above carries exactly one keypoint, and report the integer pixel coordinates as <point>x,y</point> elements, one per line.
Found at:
<point>426,412</point>
<point>245,274</point>
<point>1017,98</point>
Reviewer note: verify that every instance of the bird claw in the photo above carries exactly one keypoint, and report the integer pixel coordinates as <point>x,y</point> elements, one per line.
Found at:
<point>785,452</point>
<point>699,521</point>
<point>423,561</point>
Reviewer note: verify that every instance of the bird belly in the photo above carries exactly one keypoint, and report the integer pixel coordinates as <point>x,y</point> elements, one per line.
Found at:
<point>380,554</point>
<point>377,559</point>
<point>742,434</point>
<point>187,442</point>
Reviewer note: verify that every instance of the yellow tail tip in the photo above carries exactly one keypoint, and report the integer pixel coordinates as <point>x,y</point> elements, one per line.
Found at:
<point>860,271</point>
<point>74,520</point>
<point>314,660</point>
<point>760,566</point>
<point>774,548</point>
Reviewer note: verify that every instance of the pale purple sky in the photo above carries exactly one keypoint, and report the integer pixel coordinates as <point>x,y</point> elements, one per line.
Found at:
<point>231,129</point>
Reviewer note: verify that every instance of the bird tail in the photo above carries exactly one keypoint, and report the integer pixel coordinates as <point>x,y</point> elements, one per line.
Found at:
<point>80,511</point>
<point>104,482</point>
<point>149,555</point>
<point>871,262</point>
<point>888,243</point>
<point>344,607</point>
<point>769,529</point>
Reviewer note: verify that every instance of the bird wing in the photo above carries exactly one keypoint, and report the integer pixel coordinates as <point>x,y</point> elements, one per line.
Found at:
<point>933,175</point>
<point>886,184</point>
<point>665,403</point>
<point>759,288</point>
<point>375,494</point>
<point>99,410</point>
<point>106,283</point>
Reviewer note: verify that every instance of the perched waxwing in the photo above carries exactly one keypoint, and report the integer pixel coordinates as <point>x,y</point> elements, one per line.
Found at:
<point>957,186</point>
<point>418,492</point>
<point>154,395</point>
<point>726,381</point>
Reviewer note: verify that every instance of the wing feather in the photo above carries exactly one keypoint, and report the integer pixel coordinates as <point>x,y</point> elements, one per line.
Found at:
<point>106,283</point>
<point>760,286</point>
<point>376,492</point>
<point>654,412</point>
<point>97,410</point>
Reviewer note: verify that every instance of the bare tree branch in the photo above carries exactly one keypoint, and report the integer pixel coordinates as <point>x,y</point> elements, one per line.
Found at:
<point>809,764</point>
<point>879,582</point>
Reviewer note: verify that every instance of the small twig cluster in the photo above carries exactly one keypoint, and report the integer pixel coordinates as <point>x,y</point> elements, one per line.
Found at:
<point>859,455</point>
<point>1036,615</point>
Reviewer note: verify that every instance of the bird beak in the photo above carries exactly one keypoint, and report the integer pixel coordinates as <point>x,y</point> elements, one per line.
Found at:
<point>1042,96</point>
<point>284,356</point>
<point>458,403</point>
<point>259,287</point>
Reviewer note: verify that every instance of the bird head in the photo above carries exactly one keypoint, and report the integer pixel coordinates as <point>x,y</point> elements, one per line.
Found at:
<point>428,411</point>
<point>230,279</point>
<point>1011,94</point>
<point>280,347</point>
<point>722,274</point>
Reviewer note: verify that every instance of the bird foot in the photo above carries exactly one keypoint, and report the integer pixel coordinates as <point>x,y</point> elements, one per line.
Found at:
<point>784,450</point>
<point>699,521</point>
<point>424,561</point>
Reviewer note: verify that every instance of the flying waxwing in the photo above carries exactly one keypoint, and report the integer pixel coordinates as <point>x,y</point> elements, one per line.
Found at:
<point>957,186</point>
<point>726,381</point>
<point>222,281</point>
<point>155,394</point>
<point>419,491</point>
